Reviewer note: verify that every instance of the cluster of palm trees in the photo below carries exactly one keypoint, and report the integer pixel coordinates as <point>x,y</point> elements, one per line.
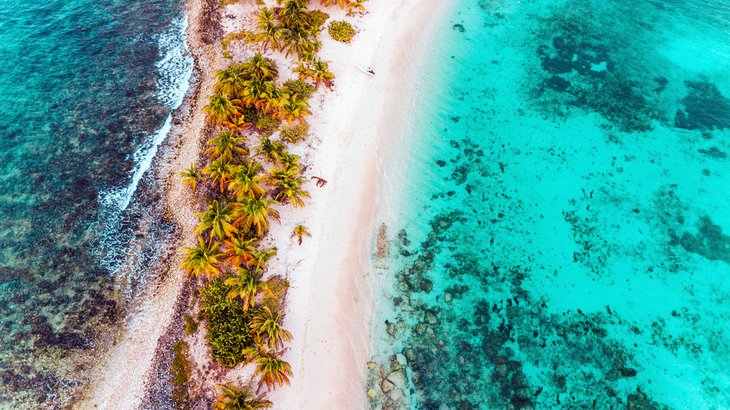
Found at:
<point>291,28</point>
<point>244,183</point>
<point>243,186</point>
<point>251,85</point>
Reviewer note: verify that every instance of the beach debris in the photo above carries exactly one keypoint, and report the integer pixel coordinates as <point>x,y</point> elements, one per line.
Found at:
<point>387,386</point>
<point>381,246</point>
<point>320,182</point>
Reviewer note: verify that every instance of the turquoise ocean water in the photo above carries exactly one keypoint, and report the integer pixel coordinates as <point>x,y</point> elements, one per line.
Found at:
<point>86,92</point>
<point>564,236</point>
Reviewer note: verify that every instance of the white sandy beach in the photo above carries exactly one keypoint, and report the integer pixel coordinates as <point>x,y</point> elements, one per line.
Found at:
<point>360,124</point>
<point>355,127</point>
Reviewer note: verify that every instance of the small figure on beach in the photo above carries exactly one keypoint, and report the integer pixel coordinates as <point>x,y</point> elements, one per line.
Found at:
<point>320,182</point>
<point>367,70</point>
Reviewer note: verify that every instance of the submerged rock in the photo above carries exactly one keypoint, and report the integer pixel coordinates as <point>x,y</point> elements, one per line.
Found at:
<point>704,108</point>
<point>386,386</point>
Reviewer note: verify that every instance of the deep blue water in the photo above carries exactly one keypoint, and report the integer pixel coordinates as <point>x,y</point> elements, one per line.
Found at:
<point>562,240</point>
<point>86,86</point>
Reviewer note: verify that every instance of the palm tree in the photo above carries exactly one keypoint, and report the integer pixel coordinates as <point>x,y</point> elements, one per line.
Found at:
<point>203,259</point>
<point>240,251</point>
<point>220,172</point>
<point>300,231</point>
<point>239,398</point>
<point>294,14</point>
<point>238,124</point>
<point>218,219</point>
<point>247,285</point>
<point>247,181</point>
<point>191,176</point>
<point>300,41</point>
<point>290,161</point>
<point>255,213</point>
<point>319,73</point>
<point>270,100</point>
<point>260,257</point>
<point>269,149</point>
<point>268,33</point>
<point>230,81</point>
<point>294,109</point>
<point>262,68</point>
<point>226,145</point>
<point>286,184</point>
<point>303,70</point>
<point>267,326</point>
<point>220,109</point>
<point>290,193</point>
<point>254,91</point>
<point>341,3</point>
<point>271,370</point>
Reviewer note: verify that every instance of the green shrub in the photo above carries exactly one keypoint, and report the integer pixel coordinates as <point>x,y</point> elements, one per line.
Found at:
<point>341,31</point>
<point>235,36</point>
<point>267,125</point>
<point>295,134</point>
<point>226,322</point>
<point>191,326</point>
<point>278,287</point>
<point>318,19</point>
<point>299,88</point>
<point>181,371</point>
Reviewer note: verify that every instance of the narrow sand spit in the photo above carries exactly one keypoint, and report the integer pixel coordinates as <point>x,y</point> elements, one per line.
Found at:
<point>330,299</point>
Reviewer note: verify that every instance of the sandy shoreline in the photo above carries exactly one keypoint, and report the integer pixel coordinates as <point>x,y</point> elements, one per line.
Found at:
<point>331,299</point>
<point>330,302</point>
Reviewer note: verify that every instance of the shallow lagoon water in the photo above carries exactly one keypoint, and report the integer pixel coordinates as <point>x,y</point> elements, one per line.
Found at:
<point>564,238</point>
<point>85,88</point>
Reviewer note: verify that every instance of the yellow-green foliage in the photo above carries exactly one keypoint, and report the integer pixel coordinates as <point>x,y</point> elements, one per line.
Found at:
<point>267,125</point>
<point>227,323</point>
<point>341,31</point>
<point>181,370</point>
<point>318,19</point>
<point>296,133</point>
<point>191,326</point>
<point>299,88</point>
<point>235,36</point>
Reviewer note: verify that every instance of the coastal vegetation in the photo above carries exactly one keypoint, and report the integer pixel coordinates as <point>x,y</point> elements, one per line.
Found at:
<point>247,178</point>
<point>235,398</point>
<point>180,372</point>
<point>341,31</point>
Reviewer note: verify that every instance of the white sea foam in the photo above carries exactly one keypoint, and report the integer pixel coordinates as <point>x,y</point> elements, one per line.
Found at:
<point>175,68</point>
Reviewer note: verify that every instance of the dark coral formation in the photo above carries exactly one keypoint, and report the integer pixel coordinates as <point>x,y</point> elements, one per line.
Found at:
<point>595,65</point>
<point>709,241</point>
<point>571,54</point>
<point>705,108</point>
<point>472,335</point>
